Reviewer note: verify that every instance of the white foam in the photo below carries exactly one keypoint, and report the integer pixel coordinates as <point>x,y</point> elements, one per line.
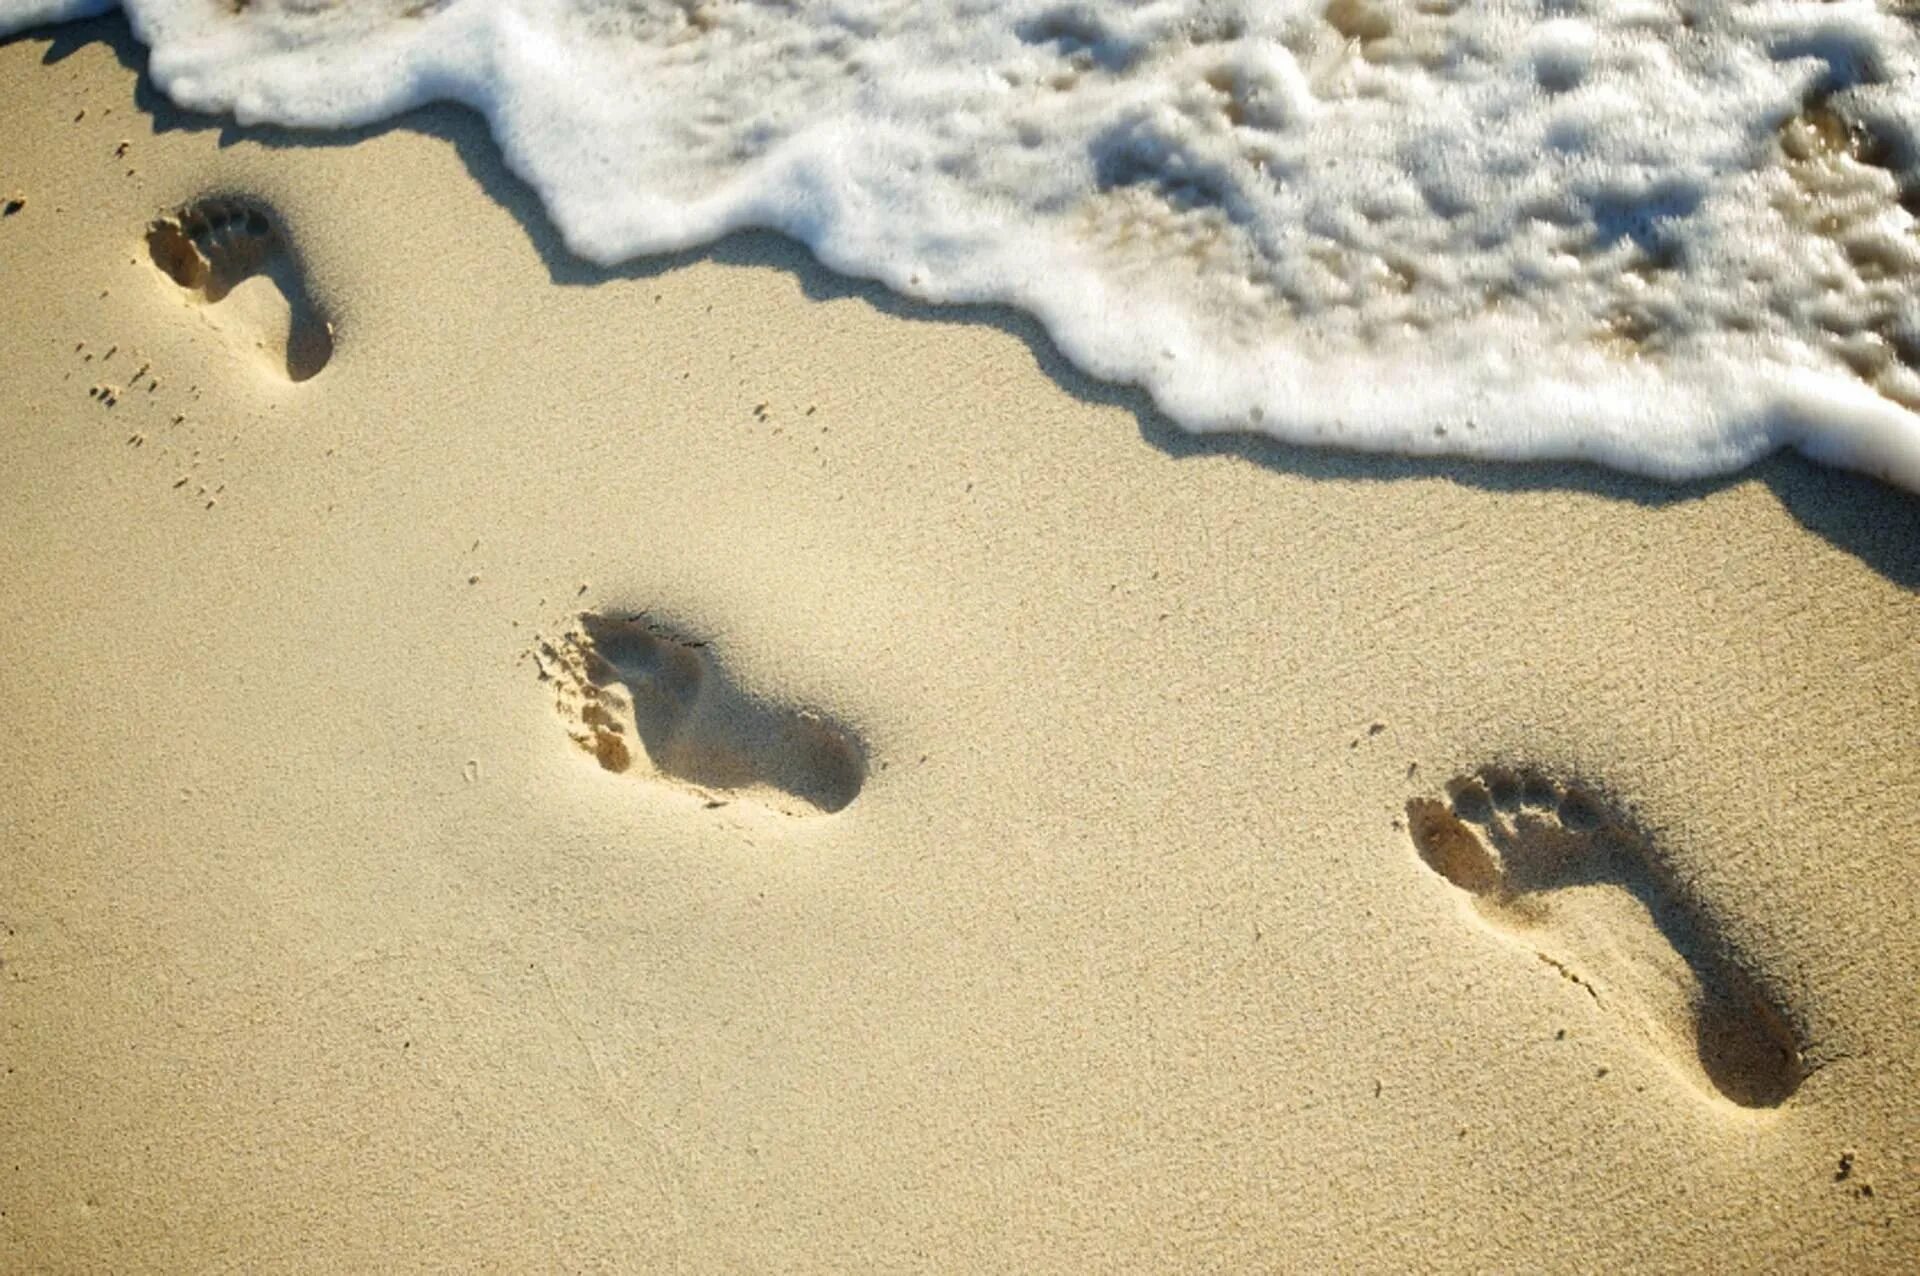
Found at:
<point>1663,235</point>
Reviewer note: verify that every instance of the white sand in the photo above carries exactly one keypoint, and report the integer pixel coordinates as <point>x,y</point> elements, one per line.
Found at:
<point>324,947</point>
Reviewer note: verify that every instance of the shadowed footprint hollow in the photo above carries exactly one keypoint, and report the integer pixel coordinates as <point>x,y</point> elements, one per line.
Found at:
<point>1555,868</point>
<point>216,248</point>
<point>641,699</point>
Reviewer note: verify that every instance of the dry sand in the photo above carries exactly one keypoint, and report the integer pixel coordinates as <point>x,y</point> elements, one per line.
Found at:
<point>327,946</point>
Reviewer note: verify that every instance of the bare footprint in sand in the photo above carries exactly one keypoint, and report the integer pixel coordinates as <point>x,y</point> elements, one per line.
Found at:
<point>1558,871</point>
<point>635,696</point>
<point>233,252</point>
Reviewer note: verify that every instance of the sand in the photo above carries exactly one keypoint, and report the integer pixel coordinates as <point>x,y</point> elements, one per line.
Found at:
<point>970,828</point>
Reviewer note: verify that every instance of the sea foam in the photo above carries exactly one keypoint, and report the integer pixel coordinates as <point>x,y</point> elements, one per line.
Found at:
<point>1667,236</point>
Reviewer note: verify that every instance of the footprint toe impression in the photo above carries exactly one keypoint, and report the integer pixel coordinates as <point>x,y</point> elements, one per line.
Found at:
<point>1555,869</point>
<point>217,249</point>
<point>638,698</point>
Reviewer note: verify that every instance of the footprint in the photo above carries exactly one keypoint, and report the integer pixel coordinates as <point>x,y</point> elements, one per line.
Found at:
<point>1555,869</point>
<point>219,248</point>
<point>635,696</point>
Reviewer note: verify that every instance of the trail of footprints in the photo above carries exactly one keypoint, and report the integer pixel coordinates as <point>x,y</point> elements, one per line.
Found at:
<point>1547,865</point>
<point>641,700</point>
<point>215,246</point>
<point>1555,869</point>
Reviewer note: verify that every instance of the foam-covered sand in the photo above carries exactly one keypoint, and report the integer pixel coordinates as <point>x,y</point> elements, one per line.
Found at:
<point>708,766</point>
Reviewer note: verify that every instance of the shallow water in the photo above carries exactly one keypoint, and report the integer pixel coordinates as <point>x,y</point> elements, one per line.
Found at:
<point>1667,237</point>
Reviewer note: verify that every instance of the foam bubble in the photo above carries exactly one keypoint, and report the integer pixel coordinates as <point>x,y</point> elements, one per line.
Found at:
<point>1667,236</point>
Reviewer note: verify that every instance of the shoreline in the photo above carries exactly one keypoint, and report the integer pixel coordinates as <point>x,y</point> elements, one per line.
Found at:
<point>1590,411</point>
